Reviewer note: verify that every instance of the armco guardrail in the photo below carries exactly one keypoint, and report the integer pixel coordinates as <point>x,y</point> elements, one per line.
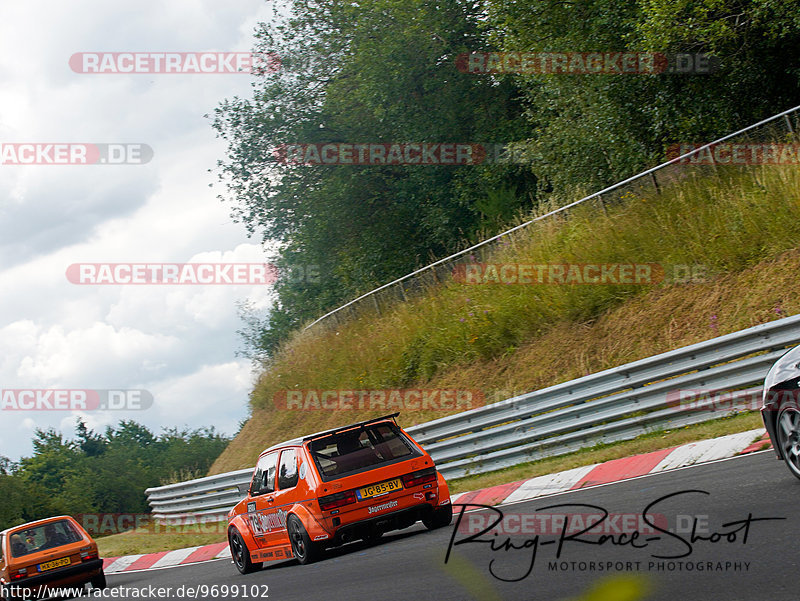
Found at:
<point>210,497</point>
<point>611,405</point>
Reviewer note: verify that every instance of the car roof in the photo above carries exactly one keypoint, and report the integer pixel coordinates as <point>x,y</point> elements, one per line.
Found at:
<point>300,440</point>
<point>37,523</point>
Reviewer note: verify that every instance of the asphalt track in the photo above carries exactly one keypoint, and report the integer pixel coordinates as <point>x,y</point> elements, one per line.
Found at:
<point>755,560</point>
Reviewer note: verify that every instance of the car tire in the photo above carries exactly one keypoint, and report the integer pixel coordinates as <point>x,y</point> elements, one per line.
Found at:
<point>304,550</point>
<point>439,518</point>
<point>241,554</point>
<point>787,429</point>
<point>99,582</point>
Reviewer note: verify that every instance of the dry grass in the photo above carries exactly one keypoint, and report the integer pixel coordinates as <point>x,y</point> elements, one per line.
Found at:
<point>154,539</point>
<point>504,340</point>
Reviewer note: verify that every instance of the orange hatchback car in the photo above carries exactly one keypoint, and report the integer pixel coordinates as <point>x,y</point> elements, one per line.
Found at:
<point>48,554</point>
<point>354,482</point>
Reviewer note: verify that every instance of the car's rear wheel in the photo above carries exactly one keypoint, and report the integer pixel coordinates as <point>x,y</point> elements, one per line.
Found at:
<point>241,554</point>
<point>304,550</point>
<point>788,432</point>
<point>439,518</point>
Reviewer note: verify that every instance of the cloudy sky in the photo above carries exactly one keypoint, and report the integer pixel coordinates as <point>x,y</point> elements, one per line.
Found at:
<point>178,342</point>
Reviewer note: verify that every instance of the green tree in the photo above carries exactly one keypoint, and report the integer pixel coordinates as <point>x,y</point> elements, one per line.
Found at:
<point>593,130</point>
<point>90,443</point>
<point>100,472</point>
<point>6,466</point>
<point>380,71</point>
<point>384,71</point>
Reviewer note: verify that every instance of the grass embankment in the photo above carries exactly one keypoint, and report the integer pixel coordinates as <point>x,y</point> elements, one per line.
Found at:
<point>507,339</point>
<point>155,538</point>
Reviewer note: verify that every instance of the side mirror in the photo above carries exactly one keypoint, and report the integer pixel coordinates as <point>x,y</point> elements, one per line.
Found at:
<point>244,489</point>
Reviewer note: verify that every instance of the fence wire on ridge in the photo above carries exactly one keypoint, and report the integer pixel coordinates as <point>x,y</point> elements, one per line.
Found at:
<point>669,172</point>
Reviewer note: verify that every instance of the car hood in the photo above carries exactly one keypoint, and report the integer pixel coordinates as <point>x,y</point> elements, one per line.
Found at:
<point>785,368</point>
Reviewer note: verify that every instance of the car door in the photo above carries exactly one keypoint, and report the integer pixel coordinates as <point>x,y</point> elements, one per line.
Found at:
<point>261,504</point>
<point>283,499</point>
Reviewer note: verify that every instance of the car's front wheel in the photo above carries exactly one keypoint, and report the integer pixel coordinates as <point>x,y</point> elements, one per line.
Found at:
<point>439,518</point>
<point>241,554</point>
<point>788,432</point>
<point>304,550</point>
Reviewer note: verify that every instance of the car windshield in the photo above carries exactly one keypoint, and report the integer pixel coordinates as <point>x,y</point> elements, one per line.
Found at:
<point>38,538</point>
<point>359,449</point>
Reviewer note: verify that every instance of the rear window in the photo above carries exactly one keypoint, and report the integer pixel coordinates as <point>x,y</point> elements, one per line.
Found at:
<point>360,449</point>
<point>48,536</point>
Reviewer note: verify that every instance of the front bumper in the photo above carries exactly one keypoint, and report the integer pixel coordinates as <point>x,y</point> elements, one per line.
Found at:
<point>769,415</point>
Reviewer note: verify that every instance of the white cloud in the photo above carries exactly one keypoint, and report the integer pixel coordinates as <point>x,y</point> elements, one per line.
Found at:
<point>179,342</point>
<point>93,357</point>
<point>213,389</point>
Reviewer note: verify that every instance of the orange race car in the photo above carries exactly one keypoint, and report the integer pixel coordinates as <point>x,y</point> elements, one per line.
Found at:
<point>48,554</point>
<point>354,482</point>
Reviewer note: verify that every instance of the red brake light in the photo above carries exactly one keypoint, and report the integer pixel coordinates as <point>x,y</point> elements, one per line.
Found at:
<point>338,499</point>
<point>420,477</point>
<point>23,573</point>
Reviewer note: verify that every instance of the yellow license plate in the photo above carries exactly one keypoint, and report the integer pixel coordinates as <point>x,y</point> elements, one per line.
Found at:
<point>51,565</point>
<point>379,489</point>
